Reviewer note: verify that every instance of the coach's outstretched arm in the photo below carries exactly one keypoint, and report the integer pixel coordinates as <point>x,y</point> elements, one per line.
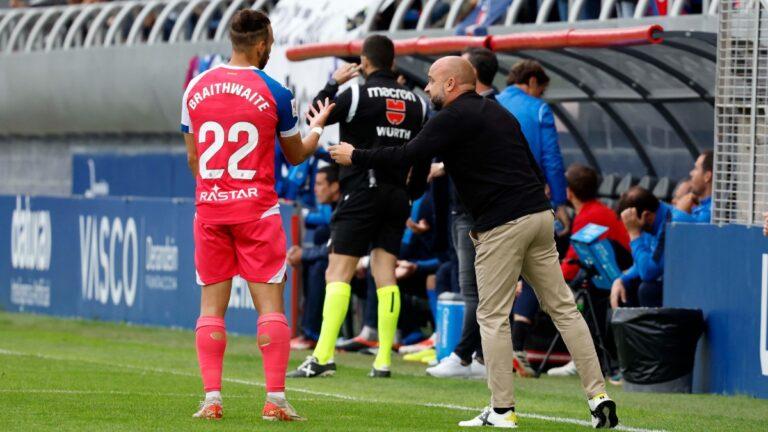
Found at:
<point>440,132</point>
<point>296,149</point>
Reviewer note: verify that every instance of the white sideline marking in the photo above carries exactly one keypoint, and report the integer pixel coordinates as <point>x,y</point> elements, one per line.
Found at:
<point>325,394</point>
<point>126,393</point>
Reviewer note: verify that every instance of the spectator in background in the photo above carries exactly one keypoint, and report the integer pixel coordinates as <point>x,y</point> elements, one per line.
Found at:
<point>645,219</point>
<point>696,206</point>
<point>582,194</point>
<point>314,260</point>
<point>582,189</point>
<point>589,10</point>
<point>484,14</point>
<point>527,82</point>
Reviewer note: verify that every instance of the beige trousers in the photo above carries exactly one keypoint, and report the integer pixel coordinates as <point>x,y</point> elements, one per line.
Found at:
<point>526,246</point>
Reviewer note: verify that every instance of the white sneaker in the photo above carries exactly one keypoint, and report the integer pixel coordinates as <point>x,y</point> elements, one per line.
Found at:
<point>477,370</point>
<point>567,369</point>
<point>489,418</point>
<point>603,411</point>
<point>450,367</point>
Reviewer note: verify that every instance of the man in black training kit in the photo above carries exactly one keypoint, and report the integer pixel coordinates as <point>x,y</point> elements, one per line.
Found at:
<point>375,202</point>
<point>498,180</point>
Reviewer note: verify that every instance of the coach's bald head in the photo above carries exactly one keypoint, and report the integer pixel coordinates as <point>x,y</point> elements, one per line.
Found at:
<point>449,77</point>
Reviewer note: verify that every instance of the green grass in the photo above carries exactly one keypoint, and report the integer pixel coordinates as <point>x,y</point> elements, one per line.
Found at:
<point>59,374</point>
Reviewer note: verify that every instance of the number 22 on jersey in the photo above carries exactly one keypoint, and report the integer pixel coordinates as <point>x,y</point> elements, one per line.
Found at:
<point>232,136</point>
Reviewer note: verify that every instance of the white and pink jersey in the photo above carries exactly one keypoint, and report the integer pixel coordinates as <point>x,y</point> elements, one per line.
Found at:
<point>234,114</point>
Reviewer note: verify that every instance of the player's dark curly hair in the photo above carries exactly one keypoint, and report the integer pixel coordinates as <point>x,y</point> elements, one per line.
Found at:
<point>247,28</point>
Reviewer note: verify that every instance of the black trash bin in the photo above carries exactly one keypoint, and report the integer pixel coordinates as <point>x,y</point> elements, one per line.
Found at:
<point>657,347</point>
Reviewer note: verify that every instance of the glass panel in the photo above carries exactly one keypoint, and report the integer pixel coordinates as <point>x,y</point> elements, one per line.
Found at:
<point>698,119</point>
<point>651,78</point>
<point>663,145</point>
<point>608,143</point>
<point>699,69</point>
<point>559,88</point>
<point>602,83</point>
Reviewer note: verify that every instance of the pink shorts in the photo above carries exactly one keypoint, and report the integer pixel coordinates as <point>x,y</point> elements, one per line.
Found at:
<point>254,250</point>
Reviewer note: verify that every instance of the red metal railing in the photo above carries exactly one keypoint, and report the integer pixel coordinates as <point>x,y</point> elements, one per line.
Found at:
<point>567,38</point>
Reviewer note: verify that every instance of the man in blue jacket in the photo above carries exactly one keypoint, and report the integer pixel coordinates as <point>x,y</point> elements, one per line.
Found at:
<point>527,83</point>
<point>696,207</point>
<point>645,218</point>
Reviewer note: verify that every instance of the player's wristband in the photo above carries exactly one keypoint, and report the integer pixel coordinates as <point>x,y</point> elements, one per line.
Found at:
<point>318,130</point>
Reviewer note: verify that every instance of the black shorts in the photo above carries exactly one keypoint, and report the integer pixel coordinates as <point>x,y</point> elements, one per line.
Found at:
<point>370,218</point>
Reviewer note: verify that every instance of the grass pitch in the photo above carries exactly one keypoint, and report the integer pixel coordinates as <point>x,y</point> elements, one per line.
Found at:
<point>74,375</point>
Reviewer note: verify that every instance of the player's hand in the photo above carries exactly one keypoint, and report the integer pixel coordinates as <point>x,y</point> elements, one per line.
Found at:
<point>518,289</point>
<point>686,202</point>
<point>294,256</point>
<point>562,215</point>
<point>317,117</point>
<point>346,72</point>
<point>632,222</point>
<point>618,292</point>
<point>418,228</point>
<point>436,170</point>
<point>342,153</point>
<point>405,269</point>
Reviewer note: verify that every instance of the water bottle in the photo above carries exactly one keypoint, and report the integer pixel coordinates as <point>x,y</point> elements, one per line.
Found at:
<point>449,320</point>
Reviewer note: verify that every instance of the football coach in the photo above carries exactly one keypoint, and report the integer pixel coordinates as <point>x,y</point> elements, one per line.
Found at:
<point>497,178</point>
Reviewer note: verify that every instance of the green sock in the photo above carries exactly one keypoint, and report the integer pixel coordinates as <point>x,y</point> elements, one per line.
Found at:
<point>389,311</point>
<point>334,311</point>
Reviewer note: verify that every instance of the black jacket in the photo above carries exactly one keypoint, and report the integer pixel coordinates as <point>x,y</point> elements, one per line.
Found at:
<point>380,113</point>
<point>486,155</point>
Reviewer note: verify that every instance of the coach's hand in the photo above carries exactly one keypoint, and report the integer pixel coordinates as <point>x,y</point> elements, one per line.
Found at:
<point>318,116</point>
<point>342,153</point>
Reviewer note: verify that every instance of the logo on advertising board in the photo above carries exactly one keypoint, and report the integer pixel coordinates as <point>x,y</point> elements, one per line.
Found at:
<point>162,264</point>
<point>31,241</point>
<point>109,259</point>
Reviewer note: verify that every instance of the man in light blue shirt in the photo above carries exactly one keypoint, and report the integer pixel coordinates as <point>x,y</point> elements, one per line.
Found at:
<point>696,207</point>
<point>527,83</point>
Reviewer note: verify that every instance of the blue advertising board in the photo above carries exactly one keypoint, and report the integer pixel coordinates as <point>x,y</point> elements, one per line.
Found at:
<point>141,174</point>
<point>112,259</point>
<point>723,270</point>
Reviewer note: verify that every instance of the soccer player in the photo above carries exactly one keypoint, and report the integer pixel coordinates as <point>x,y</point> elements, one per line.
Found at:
<point>374,208</point>
<point>230,116</point>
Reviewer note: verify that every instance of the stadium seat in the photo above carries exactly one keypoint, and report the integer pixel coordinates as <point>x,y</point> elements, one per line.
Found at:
<point>607,186</point>
<point>647,182</point>
<point>663,189</point>
<point>626,182</point>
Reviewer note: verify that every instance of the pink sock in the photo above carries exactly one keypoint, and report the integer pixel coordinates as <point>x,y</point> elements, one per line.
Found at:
<point>211,341</point>
<point>274,342</point>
